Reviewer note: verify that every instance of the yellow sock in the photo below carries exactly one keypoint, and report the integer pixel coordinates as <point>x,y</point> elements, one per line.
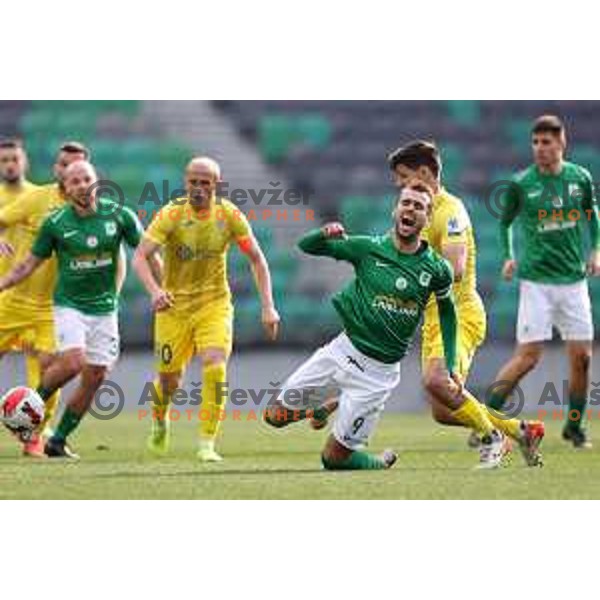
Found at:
<point>213,402</point>
<point>34,378</point>
<point>510,427</point>
<point>474,415</point>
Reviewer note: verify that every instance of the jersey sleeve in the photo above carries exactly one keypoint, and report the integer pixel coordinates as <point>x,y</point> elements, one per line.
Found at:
<point>441,285</point>
<point>351,248</point>
<point>453,224</point>
<point>239,227</point>
<point>161,227</point>
<point>132,228</point>
<point>45,242</point>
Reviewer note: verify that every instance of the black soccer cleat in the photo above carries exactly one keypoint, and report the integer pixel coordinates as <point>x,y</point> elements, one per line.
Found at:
<point>55,448</point>
<point>578,437</point>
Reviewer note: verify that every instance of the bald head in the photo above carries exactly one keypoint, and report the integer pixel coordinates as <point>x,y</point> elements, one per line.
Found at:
<point>79,177</point>
<point>202,175</point>
<point>205,164</point>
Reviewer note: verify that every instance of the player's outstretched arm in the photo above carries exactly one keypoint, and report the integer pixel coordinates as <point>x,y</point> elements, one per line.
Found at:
<point>262,278</point>
<point>318,241</point>
<point>144,265</point>
<point>20,272</point>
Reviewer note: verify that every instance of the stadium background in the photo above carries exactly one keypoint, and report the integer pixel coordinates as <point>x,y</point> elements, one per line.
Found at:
<point>331,152</point>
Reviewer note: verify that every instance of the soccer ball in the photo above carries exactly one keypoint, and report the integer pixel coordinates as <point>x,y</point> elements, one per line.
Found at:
<point>21,410</point>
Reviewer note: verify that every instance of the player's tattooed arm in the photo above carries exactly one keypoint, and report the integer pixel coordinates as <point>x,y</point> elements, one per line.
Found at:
<point>456,255</point>
<point>142,261</point>
<point>22,271</point>
<point>262,277</point>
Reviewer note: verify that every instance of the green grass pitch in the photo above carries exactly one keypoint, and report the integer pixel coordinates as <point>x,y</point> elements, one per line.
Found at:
<point>262,463</point>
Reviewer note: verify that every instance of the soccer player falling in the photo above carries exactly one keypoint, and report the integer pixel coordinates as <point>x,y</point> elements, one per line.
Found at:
<point>551,200</point>
<point>26,311</point>
<point>194,314</point>
<point>450,233</point>
<point>86,235</point>
<point>395,274</point>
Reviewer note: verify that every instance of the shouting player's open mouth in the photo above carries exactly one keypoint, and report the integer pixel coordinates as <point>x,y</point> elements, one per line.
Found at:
<point>406,226</point>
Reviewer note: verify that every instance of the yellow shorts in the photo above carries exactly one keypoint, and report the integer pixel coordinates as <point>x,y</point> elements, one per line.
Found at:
<point>25,329</point>
<point>470,335</point>
<point>180,334</point>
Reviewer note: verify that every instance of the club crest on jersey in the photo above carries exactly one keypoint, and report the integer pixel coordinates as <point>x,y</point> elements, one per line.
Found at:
<point>110,228</point>
<point>425,279</point>
<point>92,241</point>
<point>401,284</point>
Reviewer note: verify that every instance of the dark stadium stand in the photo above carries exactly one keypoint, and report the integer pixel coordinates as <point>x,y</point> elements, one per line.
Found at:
<point>338,149</point>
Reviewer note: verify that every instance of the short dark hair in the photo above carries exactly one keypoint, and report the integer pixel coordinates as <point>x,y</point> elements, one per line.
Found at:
<point>75,148</point>
<point>549,124</point>
<point>417,154</point>
<point>11,144</point>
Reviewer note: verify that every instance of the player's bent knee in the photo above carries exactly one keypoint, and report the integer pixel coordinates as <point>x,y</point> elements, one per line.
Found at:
<point>73,361</point>
<point>169,382</point>
<point>435,382</point>
<point>213,356</point>
<point>94,375</point>
<point>529,358</point>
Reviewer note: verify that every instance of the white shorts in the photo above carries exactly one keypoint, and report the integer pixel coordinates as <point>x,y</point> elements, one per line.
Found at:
<point>364,385</point>
<point>97,335</point>
<point>544,305</point>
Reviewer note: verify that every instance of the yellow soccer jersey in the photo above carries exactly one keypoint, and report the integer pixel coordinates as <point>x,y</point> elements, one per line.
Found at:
<point>27,215</point>
<point>195,248</point>
<point>9,194</point>
<point>450,224</point>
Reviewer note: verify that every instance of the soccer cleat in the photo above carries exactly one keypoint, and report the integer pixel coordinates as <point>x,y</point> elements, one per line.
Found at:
<point>207,452</point>
<point>492,450</point>
<point>321,414</point>
<point>389,457</point>
<point>56,448</point>
<point>158,440</point>
<point>474,441</point>
<point>34,448</point>
<point>578,437</point>
<point>532,434</point>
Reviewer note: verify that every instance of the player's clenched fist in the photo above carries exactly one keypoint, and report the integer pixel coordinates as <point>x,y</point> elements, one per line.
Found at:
<point>333,230</point>
<point>161,300</point>
<point>270,321</point>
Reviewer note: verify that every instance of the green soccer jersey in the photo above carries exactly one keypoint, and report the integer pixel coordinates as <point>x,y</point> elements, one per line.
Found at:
<point>552,211</point>
<point>382,307</point>
<point>87,250</point>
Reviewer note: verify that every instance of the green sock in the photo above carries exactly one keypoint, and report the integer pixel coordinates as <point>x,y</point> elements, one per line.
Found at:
<point>356,461</point>
<point>576,403</point>
<point>44,393</point>
<point>69,422</point>
<point>496,401</point>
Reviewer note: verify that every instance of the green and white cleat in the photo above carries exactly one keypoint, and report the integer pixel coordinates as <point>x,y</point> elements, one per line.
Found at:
<point>158,441</point>
<point>207,452</point>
